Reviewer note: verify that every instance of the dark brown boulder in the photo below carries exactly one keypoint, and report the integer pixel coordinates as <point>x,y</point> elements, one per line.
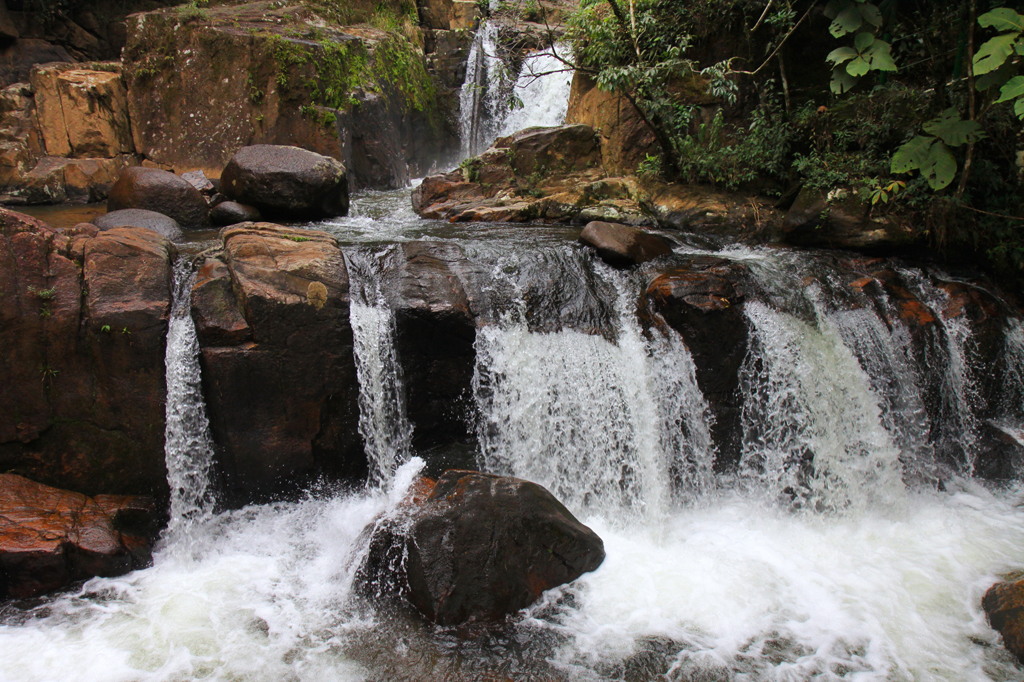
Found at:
<point>163,225</point>
<point>560,149</point>
<point>1004,606</point>
<point>701,300</point>
<point>621,245</point>
<point>232,213</point>
<point>479,548</point>
<point>287,181</point>
<point>160,191</point>
<point>51,537</point>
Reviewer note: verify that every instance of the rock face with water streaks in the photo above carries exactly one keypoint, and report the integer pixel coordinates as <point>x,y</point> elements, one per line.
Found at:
<point>479,548</point>
<point>272,316</point>
<point>50,537</point>
<point>1004,606</point>
<point>83,325</point>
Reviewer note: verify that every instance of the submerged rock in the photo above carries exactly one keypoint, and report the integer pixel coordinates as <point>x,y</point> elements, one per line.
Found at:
<point>621,245</point>
<point>477,548</point>
<point>163,225</point>
<point>160,191</point>
<point>287,181</point>
<point>50,537</point>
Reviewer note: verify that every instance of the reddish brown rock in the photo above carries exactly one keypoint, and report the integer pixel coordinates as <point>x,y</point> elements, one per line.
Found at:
<point>478,549</point>
<point>560,149</point>
<point>701,300</point>
<point>1004,606</point>
<point>273,323</point>
<point>625,138</point>
<point>83,322</point>
<point>50,537</point>
<point>621,245</point>
<point>160,191</point>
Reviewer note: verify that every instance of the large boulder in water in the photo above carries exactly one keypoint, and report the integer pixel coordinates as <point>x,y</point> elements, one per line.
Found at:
<point>621,245</point>
<point>478,548</point>
<point>287,181</point>
<point>51,537</point>
<point>160,191</point>
<point>1004,606</point>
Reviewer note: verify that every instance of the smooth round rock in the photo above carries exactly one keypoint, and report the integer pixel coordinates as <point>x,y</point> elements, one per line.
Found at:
<point>621,245</point>
<point>287,182</point>
<point>232,213</point>
<point>161,191</point>
<point>137,217</point>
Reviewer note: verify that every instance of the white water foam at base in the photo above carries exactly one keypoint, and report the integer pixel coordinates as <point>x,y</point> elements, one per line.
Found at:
<point>737,589</point>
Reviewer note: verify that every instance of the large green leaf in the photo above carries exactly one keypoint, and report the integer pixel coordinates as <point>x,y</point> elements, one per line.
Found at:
<point>871,14</point>
<point>847,21</point>
<point>1018,108</point>
<point>858,66</point>
<point>841,54</point>
<point>1002,19</point>
<point>939,167</point>
<point>994,53</point>
<point>834,7</point>
<point>1012,90</point>
<point>842,81</point>
<point>910,156</point>
<point>995,78</point>
<point>880,56</point>
<point>953,130</point>
<point>863,41</point>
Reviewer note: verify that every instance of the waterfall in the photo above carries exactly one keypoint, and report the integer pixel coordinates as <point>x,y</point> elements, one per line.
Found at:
<point>188,447</point>
<point>812,427</point>
<point>482,101</point>
<point>615,426</point>
<point>543,89</point>
<point>383,424</point>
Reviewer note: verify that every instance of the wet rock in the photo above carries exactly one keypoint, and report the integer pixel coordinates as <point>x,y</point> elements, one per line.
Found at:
<point>198,179</point>
<point>272,312</point>
<point>160,191</point>
<point>232,213</point>
<point>478,548</point>
<point>50,537</point>
<point>83,324</point>
<point>560,149</point>
<point>621,245</point>
<point>287,181</point>
<point>1004,606</point>
<point>840,219</point>
<point>163,225</point>
<point>701,300</point>
<point>8,31</point>
<point>625,139</point>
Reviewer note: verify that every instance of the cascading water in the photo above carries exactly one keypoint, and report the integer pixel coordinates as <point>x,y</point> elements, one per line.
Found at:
<point>543,89</point>
<point>386,431</point>
<point>188,446</point>
<point>865,578</point>
<point>607,426</point>
<point>484,92</point>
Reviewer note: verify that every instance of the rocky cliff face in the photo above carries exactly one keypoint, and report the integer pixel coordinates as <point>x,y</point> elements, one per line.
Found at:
<point>83,325</point>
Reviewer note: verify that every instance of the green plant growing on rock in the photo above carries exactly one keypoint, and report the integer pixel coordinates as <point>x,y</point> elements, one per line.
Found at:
<point>470,169</point>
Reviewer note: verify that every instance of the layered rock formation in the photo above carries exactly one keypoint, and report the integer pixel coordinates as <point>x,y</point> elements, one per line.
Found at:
<point>83,324</point>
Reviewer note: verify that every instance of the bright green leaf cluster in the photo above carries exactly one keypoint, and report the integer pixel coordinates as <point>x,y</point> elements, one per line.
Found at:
<point>931,153</point>
<point>994,60</point>
<point>868,53</point>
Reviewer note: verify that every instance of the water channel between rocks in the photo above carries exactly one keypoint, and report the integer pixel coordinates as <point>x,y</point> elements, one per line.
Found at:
<point>860,567</point>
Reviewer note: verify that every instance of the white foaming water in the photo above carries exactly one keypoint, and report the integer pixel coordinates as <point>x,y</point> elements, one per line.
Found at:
<point>484,92</point>
<point>383,424</point>
<point>188,447</point>
<point>811,424</point>
<point>606,426</point>
<point>543,88</point>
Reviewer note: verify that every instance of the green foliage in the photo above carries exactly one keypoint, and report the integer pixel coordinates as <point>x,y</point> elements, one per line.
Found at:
<point>998,59</point>
<point>298,238</point>
<point>470,169</point>
<point>931,153</point>
<point>868,52</point>
<point>194,10</point>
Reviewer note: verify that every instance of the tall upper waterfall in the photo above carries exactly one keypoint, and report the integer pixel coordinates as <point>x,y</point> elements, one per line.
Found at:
<point>542,88</point>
